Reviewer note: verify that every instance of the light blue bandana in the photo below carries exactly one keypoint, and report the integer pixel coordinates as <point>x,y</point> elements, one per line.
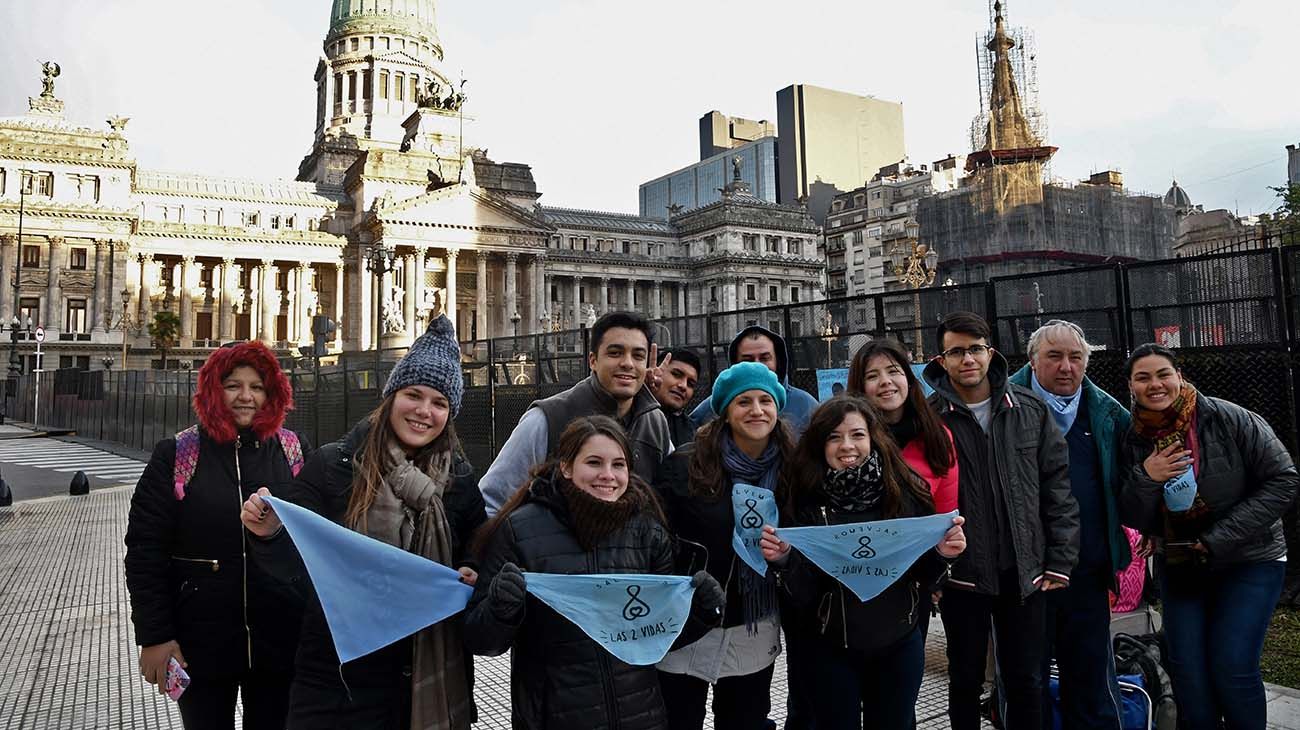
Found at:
<point>373,593</point>
<point>634,617</point>
<point>1063,408</point>
<point>753,507</point>
<point>867,557</point>
<point>1180,491</point>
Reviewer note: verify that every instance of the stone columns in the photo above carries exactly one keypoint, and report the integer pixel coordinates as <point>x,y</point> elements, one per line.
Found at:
<point>186,303</point>
<point>8,276</point>
<point>421,275</point>
<point>143,290</point>
<point>228,280</point>
<point>681,300</point>
<point>603,304</point>
<point>269,301</point>
<point>411,295</point>
<point>550,309</point>
<point>302,304</point>
<point>385,296</point>
<point>631,295</point>
<point>52,319</point>
<point>512,289</point>
<point>101,296</point>
<point>480,294</point>
<point>450,307</point>
<point>577,302</point>
<point>533,304</point>
<point>656,308</point>
<point>340,266</point>
<point>740,291</point>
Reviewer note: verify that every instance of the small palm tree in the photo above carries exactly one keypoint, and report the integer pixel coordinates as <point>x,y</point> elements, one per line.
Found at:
<point>165,330</point>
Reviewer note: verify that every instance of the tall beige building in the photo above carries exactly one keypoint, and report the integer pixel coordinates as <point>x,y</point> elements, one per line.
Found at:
<point>831,142</point>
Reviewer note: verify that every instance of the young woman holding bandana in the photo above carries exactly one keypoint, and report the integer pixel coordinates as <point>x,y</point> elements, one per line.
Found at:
<point>1210,480</point>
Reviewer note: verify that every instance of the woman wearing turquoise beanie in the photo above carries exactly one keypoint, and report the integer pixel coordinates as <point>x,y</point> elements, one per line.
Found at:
<point>748,444</point>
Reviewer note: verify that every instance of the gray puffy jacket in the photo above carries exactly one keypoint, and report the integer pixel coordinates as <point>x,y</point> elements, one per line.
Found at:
<point>1246,477</point>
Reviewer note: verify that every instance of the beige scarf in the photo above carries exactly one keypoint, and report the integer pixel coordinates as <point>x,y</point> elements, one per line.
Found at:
<point>410,514</point>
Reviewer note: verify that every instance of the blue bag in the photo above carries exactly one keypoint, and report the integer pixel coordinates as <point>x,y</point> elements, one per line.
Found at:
<point>372,593</point>
<point>634,617</point>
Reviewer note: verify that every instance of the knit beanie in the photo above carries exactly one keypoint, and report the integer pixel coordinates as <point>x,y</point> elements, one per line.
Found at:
<point>741,377</point>
<point>433,360</point>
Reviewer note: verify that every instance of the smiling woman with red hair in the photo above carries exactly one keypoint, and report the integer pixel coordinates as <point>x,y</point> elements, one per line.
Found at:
<point>195,596</point>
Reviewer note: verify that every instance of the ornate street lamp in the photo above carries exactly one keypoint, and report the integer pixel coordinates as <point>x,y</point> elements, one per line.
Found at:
<point>915,269</point>
<point>125,322</point>
<point>514,320</point>
<point>830,332</point>
<point>380,260</point>
<point>16,327</point>
<point>107,362</point>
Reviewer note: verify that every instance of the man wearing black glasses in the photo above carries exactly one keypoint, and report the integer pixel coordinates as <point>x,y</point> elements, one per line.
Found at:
<point>1022,524</point>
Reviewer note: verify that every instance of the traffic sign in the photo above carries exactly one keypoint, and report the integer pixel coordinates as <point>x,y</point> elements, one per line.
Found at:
<point>40,334</point>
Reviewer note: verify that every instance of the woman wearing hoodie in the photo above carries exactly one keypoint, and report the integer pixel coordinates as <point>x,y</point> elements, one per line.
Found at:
<point>865,658</point>
<point>195,596</point>
<point>398,477</point>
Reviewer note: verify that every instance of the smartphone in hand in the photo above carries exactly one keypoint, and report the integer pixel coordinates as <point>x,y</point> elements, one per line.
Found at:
<point>177,679</point>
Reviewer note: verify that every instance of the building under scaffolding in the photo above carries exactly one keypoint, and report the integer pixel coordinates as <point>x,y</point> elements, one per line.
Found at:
<point>1004,219</point>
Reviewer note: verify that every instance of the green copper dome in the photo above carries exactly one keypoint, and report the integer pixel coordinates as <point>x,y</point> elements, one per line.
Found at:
<point>414,18</point>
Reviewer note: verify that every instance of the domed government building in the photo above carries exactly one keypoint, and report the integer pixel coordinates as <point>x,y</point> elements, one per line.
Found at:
<point>396,214</point>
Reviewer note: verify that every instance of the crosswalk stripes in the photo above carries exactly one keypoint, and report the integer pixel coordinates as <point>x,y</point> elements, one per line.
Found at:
<point>68,457</point>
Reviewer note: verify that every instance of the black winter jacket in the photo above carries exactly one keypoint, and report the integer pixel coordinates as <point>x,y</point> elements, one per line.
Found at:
<point>185,561</point>
<point>375,683</point>
<point>831,612</point>
<point>1029,476</point>
<point>560,678</point>
<point>1246,477</point>
<point>702,529</point>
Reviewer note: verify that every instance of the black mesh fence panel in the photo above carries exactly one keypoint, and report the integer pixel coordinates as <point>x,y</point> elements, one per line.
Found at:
<point>1089,298</point>
<point>1208,301</point>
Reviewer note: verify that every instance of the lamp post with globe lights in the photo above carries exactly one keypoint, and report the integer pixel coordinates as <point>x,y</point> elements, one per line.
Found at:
<point>380,260</point>
<point>914,269</point>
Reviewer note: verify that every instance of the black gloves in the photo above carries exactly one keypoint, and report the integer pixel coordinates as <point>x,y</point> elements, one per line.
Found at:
<point>507,594</point>
<point>709,599</point>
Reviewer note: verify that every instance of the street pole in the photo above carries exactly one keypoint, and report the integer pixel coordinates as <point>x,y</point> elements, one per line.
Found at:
<point>36,398</point>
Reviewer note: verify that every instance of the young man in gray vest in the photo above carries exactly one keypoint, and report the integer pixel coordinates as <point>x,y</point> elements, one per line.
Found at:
<point>621,348</point>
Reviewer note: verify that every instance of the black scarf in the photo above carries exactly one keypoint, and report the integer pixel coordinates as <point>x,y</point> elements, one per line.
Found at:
<point>907,428</point>
<point>857,488</point>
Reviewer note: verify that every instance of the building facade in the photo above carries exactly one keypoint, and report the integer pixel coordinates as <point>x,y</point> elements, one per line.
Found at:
<point>700,184</point>
<point>96,247</point>
<point>831,141</point>
<point>720,133</point>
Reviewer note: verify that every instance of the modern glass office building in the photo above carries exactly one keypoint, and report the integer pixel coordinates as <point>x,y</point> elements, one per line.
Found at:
<point>700,184</point>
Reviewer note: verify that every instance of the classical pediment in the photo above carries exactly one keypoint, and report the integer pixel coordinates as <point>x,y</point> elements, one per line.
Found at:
<point>463,207</point>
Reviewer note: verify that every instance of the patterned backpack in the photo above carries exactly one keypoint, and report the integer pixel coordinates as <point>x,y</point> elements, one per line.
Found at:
<point>187,455</point>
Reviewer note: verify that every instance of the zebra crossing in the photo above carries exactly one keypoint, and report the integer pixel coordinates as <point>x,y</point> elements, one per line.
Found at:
<point>69,458</point>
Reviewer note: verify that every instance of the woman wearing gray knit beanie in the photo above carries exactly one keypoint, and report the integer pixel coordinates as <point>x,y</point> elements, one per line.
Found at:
<point>398,477</point>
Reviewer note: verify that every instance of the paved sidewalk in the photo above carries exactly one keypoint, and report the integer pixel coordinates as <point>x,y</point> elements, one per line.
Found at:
<point>67,648</point>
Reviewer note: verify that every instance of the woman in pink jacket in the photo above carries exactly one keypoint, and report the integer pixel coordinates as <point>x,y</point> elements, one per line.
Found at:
<point>880,371</point>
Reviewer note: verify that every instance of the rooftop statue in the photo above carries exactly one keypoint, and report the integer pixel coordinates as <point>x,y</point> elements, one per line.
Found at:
<point>51,71</point>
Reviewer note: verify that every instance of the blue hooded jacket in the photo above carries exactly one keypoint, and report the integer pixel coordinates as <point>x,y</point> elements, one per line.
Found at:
<point>799,405</point>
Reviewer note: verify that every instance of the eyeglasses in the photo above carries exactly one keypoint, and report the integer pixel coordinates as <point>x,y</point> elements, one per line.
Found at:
<point>960,353</point>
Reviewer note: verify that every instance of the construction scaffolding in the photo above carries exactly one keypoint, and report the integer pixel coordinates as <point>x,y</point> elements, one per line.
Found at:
<point>1022,59</point>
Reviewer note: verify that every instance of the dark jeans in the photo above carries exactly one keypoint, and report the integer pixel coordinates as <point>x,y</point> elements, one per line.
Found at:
<point>854,689</point>
<point>739,703</point>
<point>1215,622</point>
<point>798,675</point>
<point>1020,635</point>
<point>209,704</point>
<point>1078,635</point>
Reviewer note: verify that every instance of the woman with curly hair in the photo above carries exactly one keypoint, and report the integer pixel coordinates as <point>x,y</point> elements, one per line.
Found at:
<point>195,596</point>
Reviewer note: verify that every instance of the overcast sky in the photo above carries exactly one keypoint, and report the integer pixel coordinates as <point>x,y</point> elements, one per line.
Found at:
<point>601,95</point>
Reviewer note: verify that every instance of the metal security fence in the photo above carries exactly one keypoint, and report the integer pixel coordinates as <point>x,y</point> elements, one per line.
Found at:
<point>1231,315</point>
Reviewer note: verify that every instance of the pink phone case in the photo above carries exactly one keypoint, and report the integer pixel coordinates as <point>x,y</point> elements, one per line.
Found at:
<point>177,679</point>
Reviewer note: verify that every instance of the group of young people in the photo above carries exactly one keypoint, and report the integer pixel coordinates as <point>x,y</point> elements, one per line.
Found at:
<point>618,475</point>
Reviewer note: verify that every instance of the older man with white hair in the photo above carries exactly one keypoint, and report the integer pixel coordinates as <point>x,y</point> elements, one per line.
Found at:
<point>1078,618</point>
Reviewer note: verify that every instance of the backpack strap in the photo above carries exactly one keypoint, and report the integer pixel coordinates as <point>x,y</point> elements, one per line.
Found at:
<point>187,460</point>
<point>292,449</point>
